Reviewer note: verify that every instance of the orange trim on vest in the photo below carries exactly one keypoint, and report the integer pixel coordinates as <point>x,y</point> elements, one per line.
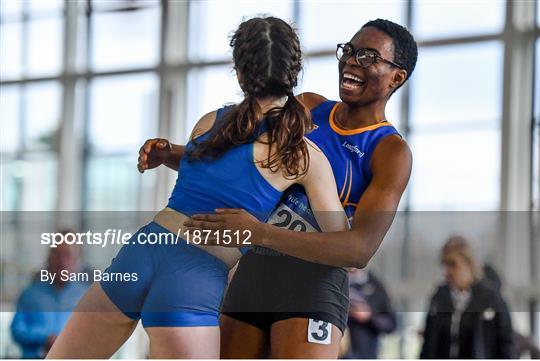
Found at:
<point>341,131</point>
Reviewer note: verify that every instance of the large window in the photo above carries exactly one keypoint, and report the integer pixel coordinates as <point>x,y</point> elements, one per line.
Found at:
<point>212,23</point>
<point>31,37</point>
<point>219,85</point>
<point>31,34</point>
<point>124,39</point>
<point>122,112</point>
<point>30,120</point>
<point>323,24</point>
<point>443,19</point>
<point>455,127</point>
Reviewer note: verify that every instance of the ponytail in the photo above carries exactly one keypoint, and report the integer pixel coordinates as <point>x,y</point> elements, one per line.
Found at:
<point>290,125</point>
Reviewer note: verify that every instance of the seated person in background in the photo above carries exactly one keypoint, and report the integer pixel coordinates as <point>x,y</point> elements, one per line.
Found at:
<point>467,318</point>
<point>370,314</point>
<point>44,306</point>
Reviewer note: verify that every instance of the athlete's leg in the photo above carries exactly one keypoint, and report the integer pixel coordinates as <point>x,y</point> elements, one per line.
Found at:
<point>100,323</point>
<point>289,339</point>
<point>96,329</point>
<point>240,340</point>
<point>184,342</point>
<point>180,313</point>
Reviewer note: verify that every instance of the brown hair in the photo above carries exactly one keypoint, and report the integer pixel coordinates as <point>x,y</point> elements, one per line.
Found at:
<point>267,56</point>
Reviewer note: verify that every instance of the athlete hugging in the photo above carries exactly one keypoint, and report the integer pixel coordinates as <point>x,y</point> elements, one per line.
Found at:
<point>274,164</point>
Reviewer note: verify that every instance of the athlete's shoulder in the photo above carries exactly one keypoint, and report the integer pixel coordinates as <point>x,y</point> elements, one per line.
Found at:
<point>311,100</point>
<point>391,151</point>
<point>318,162</point>
<point>394,143</point>
<point>204,124</point>
<point>313,148</point>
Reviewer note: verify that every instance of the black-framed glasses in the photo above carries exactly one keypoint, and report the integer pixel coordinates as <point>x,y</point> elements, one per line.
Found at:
<point>363,57</point>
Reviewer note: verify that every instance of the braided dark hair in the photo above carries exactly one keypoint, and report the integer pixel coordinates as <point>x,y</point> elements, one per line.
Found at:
<point>268,59</point>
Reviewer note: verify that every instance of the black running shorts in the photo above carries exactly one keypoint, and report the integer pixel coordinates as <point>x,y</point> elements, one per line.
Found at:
<point>269,287</point>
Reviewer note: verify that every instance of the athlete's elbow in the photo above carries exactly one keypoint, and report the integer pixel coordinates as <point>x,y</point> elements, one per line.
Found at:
<point>352,260</point>
<point>363,249</point>
<point>355,259</point>
<point>359,262</point>
<point>361,257</point>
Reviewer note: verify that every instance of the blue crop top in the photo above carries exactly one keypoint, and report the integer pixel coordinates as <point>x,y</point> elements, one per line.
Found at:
<point>230,181</point>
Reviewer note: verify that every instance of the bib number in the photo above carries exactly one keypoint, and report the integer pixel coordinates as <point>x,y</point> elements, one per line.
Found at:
<point>287,221</point>
<point>319,332</point>
<point>285,217</point>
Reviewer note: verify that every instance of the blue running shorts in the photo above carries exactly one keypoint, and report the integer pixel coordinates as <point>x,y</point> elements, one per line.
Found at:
<point>177,285</point>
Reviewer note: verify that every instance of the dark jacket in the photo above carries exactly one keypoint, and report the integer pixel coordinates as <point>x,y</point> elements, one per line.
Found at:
<point>485,329</point>
<point>364,336</point>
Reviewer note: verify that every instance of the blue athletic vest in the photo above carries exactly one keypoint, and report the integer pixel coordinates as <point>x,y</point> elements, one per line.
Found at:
<point>349,153</point>
<point>230,181</point>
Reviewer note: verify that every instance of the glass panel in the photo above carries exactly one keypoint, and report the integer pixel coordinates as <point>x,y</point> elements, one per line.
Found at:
<point>10,115</point>
<point>39,8</point>
<point>45,47</point>
<point>123,112</point>
<point>439,19</point>
<point>456,170</point>
<point>393,109</point>
<point>8,183</point>
<point>11,50</point>
<point>11,10</point>
<point>323,24</point>
<point>125,39</point>
<point>214,21</point>
<point>43,112</point>
<point>38,175</point>
<point>219,86</point>
<point>112,183</point>
<point>321,76</point>
<point>458,85</point>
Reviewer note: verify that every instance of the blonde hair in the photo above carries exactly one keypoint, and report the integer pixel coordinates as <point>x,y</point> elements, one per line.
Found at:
<point>459,246</point>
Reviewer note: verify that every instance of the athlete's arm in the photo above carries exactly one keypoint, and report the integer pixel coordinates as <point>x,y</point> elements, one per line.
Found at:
<point>322,193</point>
<point>391,167</point>
<point>158,151</point>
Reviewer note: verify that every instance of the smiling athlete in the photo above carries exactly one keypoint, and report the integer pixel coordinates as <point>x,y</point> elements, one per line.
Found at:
<point>289,295</point>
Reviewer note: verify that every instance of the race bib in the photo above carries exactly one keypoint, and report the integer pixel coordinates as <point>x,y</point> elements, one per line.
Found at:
<point>294,212</point>
<point>319,332</point>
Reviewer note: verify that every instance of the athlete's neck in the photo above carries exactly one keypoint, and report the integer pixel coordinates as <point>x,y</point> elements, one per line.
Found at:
<point>268,103</point>
<point>350,117</point>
